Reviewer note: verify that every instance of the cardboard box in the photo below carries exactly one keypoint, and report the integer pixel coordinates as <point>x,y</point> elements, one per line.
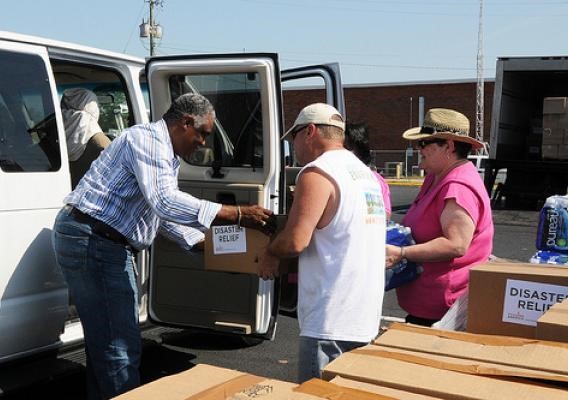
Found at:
<point>382,390</point>
<point>508,298</point>
<point>550,151</point>
<point>563,151</point>
<point>336,391</point>
<point>231,248</point>
<point>554,105</point>
<point>206,382</point>
<point>554,128</point>
<point>433,381</point>
<point>553,135</point>
<point>488,355</point>
<point>553,325</point>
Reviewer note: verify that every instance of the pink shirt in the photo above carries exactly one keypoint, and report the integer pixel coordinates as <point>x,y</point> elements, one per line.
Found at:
<point>385,190</point>
<point>443,282</point>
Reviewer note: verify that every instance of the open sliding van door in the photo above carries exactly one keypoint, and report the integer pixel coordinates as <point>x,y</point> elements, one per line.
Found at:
<point>239,164</point>
<point>327,75</point>
<point>322,84</point>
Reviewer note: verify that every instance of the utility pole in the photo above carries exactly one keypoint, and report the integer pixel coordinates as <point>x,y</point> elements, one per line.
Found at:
<point>151,29</point>
<point>479,117</point>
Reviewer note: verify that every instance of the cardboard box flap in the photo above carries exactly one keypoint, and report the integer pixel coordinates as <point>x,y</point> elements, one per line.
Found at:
<point>526,353</point>
<point>435,382</point>
<point>555,315</point>
<point>553,324</point>
<point>206,382</point>
<point>456,364</point>
<point>327,390</point>
<point>184,384</point>
<point>386,391</point>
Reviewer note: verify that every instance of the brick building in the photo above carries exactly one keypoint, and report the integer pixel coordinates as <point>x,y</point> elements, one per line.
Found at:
<point>389,109</point>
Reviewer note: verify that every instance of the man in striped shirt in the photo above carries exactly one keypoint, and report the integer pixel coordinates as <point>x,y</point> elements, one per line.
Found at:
<point>129,194</point>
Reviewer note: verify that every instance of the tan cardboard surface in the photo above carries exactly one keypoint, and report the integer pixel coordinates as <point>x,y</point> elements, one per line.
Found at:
<point>538,356</point>
<point>458,364</point>
<point>327,390</point>
<point>435,382</point>
<point>553,325</point>
<point>382,390</point>
<point>181,386</point>
<point>245,262</point>
<point>206,382</point>
<point>554,105</point>
<point>487,285</point>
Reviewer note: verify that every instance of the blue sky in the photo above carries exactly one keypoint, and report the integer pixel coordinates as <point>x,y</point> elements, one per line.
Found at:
<point>375,41</point>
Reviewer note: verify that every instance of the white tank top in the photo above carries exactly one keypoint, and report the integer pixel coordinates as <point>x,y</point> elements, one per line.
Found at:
<point>341,272</point>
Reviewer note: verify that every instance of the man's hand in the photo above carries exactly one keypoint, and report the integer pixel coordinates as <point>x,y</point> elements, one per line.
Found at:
<point>257,217</point>
<point>268,266</point>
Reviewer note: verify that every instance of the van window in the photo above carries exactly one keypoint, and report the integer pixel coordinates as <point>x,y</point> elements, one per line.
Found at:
<point>28,131</point>
<point>109,87</point>
<point>237,138</point>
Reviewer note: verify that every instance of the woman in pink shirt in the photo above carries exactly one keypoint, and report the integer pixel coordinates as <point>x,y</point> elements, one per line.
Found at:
<point>450,219</point>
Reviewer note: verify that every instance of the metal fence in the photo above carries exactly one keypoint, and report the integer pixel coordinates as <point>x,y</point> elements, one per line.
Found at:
<point>396,163</point>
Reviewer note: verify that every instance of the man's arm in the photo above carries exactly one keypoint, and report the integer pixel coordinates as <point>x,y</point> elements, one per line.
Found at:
<point>315,203</point>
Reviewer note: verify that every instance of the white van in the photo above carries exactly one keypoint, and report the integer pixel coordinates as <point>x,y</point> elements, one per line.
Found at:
<point>242,163</point>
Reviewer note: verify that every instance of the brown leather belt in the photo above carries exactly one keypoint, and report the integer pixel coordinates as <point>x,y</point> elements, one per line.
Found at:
<point>99,227</point>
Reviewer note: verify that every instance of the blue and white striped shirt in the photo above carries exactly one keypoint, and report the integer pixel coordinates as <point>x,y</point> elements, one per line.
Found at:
<point>133,187</point>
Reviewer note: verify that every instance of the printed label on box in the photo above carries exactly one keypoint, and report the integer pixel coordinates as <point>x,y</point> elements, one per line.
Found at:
<point>229,239</point>
<point>526,301</point>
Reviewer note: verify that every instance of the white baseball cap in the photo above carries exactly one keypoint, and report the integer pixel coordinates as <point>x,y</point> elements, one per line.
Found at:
<point>318,114</point>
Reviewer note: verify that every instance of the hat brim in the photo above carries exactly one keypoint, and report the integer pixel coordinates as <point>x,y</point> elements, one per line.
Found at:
<point>415,134</point>
<point>285,135</point>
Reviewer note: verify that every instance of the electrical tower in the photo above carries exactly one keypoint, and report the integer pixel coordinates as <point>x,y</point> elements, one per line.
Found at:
<point>151,28</point>
<point>480,83</point>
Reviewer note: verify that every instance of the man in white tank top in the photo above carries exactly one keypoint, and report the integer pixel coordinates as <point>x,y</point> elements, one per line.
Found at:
<point>336,226</point>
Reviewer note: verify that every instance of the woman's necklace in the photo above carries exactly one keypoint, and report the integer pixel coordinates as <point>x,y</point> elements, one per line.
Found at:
<point>447,170</point>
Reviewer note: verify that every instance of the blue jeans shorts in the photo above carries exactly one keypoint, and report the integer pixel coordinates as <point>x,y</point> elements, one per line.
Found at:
<point>315,354</point>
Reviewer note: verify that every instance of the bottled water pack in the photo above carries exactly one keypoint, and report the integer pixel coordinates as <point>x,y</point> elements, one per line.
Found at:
<point>549,257</point>
<point>552,234</point>
<point>405,271</point>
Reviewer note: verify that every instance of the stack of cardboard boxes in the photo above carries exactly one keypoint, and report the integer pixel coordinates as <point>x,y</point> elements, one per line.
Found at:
<point>206,382</point>
<point>524,301</point>
<point>456,365</point>
<point>555,128</point>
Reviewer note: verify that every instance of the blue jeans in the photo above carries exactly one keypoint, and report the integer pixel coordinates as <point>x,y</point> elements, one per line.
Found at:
<point>315,354</point>
<point>101,278</point>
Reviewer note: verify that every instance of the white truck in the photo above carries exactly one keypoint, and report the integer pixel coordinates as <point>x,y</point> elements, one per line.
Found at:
<point>241,163</point>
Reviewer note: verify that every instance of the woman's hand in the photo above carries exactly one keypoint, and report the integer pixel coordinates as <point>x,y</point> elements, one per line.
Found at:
<point>393,255</point>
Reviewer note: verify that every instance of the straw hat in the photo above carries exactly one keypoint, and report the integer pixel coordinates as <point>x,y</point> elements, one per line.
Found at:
<point>443,123</point>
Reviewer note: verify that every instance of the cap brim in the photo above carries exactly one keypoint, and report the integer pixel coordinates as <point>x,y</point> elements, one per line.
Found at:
<point>285,135</point>
<point>415,134</point>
